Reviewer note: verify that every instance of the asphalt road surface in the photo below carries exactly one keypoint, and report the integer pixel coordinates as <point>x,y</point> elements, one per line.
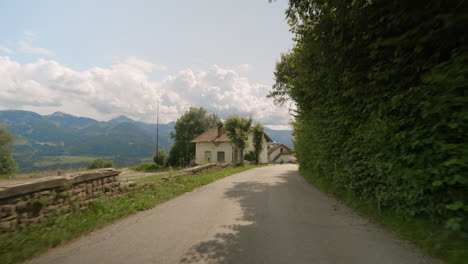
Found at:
<point>265,215</point>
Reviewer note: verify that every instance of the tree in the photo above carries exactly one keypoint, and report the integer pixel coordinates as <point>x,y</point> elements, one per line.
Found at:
<point>238,129</point>
<point>161,158</point>
<point>7,164</point>
<point>257,132</point>
<point>190,125</point>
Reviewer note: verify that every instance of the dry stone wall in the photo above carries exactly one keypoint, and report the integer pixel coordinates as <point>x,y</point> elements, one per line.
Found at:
<point>26,202</point>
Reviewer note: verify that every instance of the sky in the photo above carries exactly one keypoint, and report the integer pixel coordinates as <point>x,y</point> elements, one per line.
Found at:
<point>102,59</point>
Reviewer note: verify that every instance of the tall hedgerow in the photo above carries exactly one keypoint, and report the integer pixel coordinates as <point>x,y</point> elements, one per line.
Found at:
<point>380,89</point>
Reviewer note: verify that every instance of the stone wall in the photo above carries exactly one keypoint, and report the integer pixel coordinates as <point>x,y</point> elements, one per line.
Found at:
<point>26,202</point>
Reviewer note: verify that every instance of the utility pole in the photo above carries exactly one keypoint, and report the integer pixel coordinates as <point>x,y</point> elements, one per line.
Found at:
<point>157,131</point>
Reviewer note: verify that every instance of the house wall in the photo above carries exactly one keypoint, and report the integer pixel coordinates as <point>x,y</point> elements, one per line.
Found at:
<point>228,149</point>
<point>274,154</point>
<point>209,146</point>
<point>285,157</point>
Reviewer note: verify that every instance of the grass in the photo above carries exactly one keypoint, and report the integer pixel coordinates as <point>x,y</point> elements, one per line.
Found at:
<point>18,246</point>
<point>149,167</point>
<point>431,237</point>
<point>156,178</point>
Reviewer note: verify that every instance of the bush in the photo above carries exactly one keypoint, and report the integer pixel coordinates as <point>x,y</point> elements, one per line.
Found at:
<point>100,163</point>
<point>149,167</point>
<point>7,164</point>
<point>249,156</point>
<point>160,159</point>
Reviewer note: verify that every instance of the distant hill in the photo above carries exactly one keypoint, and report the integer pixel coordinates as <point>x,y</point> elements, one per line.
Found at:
<point>59,140</point>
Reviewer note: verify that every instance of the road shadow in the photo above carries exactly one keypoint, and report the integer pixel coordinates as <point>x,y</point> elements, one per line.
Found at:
<point>242,243</point>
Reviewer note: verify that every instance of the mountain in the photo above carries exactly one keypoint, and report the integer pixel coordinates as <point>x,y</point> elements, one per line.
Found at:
<point>70,121</point>
<point>63,141</point>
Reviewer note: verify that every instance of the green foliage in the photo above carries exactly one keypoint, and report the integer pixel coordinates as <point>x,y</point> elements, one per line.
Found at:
<point>250,156</point>
<point>7,164</point>
<point>238,129</point>
<point>190,125</point>
<point>257,132</point>
<point>380,89</point>
<point>161,158</point>
<point>100,163</point>
<point>149,167</point>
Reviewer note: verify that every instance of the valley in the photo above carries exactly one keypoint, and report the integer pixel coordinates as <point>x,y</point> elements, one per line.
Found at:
<point>63,141</point>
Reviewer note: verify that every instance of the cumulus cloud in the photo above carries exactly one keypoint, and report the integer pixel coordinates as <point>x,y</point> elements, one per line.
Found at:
<point>126,88</point>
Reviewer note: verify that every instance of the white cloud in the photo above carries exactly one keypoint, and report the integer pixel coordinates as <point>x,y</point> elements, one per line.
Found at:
<point>26,45</point>
<point>28,48</point>
<point>6,50</point>
<point>125,88</point>
<point>244,67</point>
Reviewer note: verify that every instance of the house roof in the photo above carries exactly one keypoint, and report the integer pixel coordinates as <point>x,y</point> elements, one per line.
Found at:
<point>211,135</point>
<point>275,146</point>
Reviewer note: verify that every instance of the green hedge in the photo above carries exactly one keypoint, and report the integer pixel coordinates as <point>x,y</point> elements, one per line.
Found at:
<point>380,89</point>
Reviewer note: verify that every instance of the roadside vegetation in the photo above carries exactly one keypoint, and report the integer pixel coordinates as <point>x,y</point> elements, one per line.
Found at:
<point>438,242</point>
<point>7,164</point>
<point>149,167</point>
<point>23,244</point>
<point>380,91</point>
<point>100,163</point>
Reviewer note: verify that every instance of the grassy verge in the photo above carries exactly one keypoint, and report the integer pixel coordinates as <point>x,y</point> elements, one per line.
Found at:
<point>19,246</point>
<point>156,178</point>
<point>149,167</point>
<point>431,237</point>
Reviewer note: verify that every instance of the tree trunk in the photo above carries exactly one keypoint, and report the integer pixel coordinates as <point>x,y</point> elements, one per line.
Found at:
<point>241,156</point>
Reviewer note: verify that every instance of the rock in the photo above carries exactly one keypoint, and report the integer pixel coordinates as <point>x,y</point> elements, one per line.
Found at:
<point>6,210</point>
<point>21,206</point>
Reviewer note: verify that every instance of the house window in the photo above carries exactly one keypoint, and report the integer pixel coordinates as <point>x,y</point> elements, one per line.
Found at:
<point>281,150</point>
<point>208,156</point>
<point>221,156</point>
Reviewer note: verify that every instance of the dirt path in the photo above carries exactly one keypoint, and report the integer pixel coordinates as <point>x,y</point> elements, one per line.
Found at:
<point>264,215</point>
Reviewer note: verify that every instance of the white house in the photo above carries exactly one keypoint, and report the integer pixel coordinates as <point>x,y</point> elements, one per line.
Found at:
<point>215,146</point>
<point>279,153</point>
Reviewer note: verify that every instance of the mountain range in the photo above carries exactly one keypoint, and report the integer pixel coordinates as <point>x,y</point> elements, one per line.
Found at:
<point>62,141</point>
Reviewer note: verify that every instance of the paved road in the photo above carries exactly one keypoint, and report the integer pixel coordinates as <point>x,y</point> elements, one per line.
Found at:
<point>264,215</point>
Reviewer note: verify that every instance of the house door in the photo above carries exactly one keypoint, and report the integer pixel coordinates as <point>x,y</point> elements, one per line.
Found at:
<point>221,156</point>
